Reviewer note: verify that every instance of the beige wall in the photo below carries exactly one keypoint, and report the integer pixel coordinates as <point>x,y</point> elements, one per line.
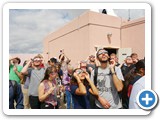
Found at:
<point>133,36</point>
<point>99,26</point>
<point>80,37</point>
<point>75,45</point>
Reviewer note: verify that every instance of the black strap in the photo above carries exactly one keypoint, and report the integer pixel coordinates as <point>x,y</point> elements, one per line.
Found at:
<point>95,75</point>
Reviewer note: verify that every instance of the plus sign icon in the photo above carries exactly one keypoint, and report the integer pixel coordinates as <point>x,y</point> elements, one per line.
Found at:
<point>147,99</point>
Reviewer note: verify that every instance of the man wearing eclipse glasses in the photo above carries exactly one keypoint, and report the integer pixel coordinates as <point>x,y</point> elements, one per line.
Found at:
<point>36,74</point>
<point>108,82</point>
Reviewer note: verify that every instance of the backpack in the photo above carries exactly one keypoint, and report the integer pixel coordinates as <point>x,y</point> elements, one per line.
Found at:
<point>92,97</point>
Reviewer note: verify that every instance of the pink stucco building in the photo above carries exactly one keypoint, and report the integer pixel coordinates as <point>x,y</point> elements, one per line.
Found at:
<point>82,36</point>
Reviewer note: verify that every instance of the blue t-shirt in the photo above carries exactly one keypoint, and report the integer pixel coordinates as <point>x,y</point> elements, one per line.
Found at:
<point>80,101</point>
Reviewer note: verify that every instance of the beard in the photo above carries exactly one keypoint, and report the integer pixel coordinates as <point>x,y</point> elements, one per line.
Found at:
<point>37,65</point>
<point>92,60</point>
<point>103,61</point>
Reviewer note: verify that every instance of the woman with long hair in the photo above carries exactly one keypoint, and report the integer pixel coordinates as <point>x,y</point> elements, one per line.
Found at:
<point>81,88</point>
<point>48,90</point>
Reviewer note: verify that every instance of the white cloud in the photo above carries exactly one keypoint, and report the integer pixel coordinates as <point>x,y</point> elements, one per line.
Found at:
<point>29,27</point>
<point>133,13</point>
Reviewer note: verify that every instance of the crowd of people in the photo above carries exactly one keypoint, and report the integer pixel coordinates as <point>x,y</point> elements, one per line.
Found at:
<point>97,83</point>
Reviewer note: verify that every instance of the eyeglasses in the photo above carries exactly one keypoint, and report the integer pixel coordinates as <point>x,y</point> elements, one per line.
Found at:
<point>79,71</point>
<point>102,52</point>
<point>37,60</point>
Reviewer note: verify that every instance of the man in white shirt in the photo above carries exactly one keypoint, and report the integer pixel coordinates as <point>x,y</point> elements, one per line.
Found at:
<point>137,87</point>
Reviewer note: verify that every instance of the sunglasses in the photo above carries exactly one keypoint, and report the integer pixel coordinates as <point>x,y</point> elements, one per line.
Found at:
<point>79,71</point>
<point>102,52</point>
<point>37,60</point>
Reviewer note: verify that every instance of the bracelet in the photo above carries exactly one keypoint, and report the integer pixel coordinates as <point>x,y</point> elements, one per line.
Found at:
<point>113,73</point>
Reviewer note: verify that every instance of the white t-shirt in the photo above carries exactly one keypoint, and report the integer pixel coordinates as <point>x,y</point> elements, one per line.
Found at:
<point>138,86</point>
<point>106,87</point>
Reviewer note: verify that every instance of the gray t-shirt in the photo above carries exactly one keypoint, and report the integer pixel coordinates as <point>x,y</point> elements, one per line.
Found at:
<point>106,87</point>
<point>36,77</point>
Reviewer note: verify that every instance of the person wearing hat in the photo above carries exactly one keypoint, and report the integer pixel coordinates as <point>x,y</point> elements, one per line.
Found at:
<point>15,91</point>
<point>108,82</point>
<point>15,69</point>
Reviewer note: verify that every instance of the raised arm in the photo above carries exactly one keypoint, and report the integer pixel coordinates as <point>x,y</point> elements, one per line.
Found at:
<point>81,90</point>
<point>117,82</point>
<point>25,68</point>
<point>93,89</point>
<point>19,74</point>
<point>41,94</point>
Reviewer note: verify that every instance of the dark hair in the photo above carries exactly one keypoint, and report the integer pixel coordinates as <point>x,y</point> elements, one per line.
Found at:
<point>124,93</point>
<point>60,57</point>
<point>74,81</point>
<point>133,54</point>
<point>25,62</point>
<point>140,64</point>
<point>19,60</point>
<point>53,60</point>
<point>48,71</point>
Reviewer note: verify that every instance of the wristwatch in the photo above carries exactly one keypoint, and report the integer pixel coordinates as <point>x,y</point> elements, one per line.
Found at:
<point>113,73</point>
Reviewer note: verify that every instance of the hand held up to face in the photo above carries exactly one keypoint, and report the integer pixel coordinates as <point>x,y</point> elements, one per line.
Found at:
<point>51,90</point>
<point>112,64</point>
<point>76,75</point>
<point>87,76</point>
<point>15,68</point>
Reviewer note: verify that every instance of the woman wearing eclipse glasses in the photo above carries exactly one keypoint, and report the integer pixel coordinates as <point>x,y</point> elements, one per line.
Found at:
<point>81,88</point>
<point>48,89</point>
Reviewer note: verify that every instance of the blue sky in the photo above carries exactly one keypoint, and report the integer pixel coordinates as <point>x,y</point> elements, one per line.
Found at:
<point>29,27</point>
